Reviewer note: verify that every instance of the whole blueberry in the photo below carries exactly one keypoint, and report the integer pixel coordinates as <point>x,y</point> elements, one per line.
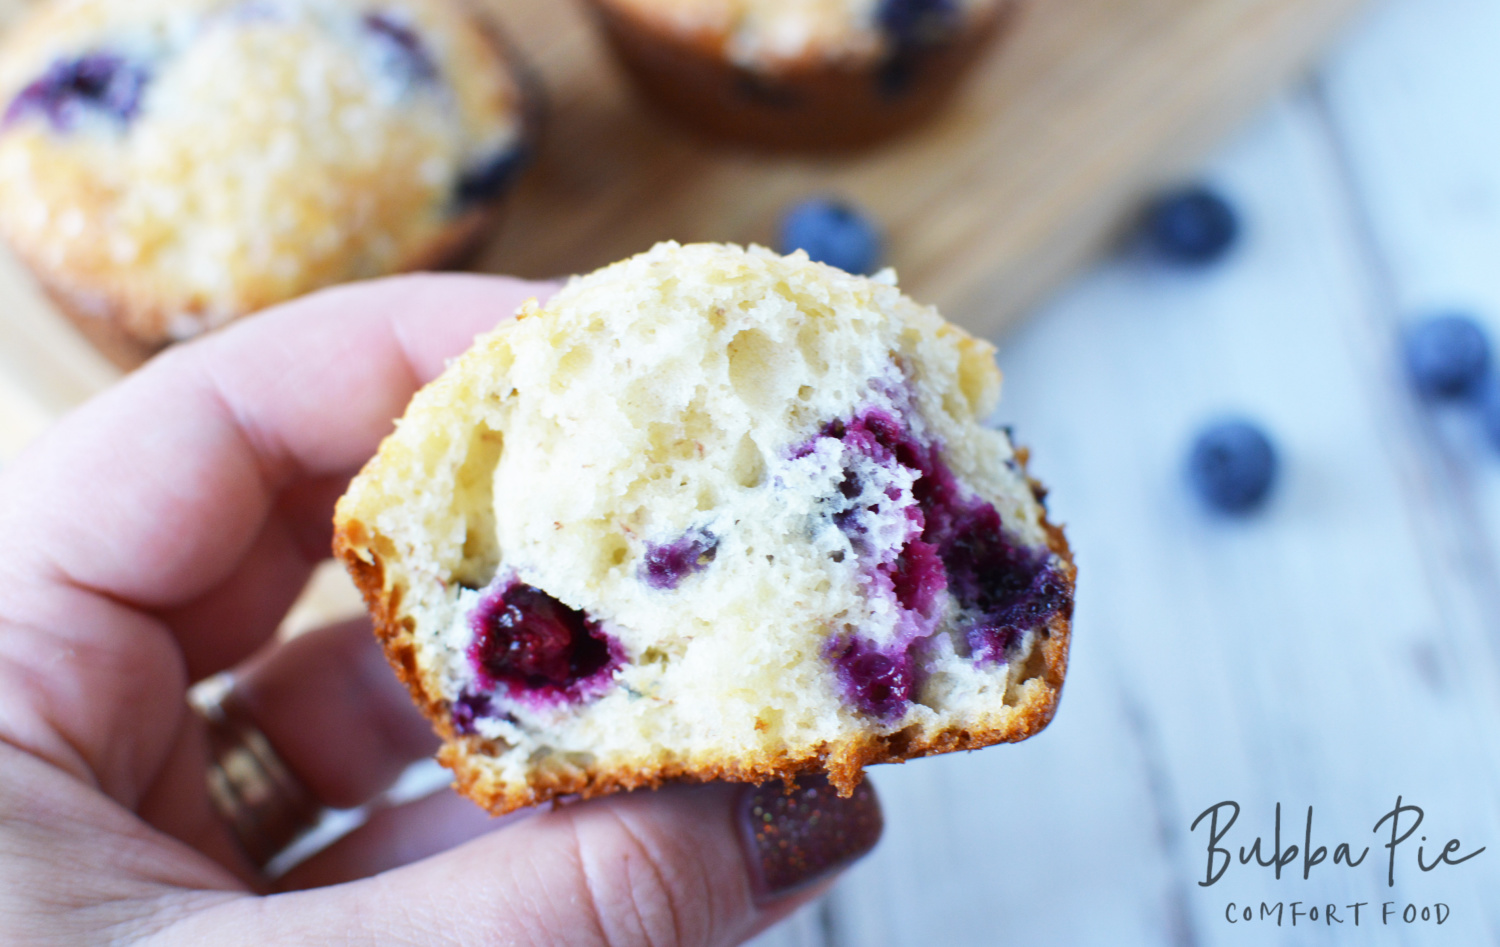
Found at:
<point>1232,465</point>
<point>832,232</point>
<point>1447,355</point>
<point>1193,226</point>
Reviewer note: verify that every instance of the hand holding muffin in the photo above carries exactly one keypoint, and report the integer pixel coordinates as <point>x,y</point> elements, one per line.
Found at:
<point>149,562</point>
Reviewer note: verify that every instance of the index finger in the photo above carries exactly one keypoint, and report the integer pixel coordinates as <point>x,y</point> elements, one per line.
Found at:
<point>152,492</point>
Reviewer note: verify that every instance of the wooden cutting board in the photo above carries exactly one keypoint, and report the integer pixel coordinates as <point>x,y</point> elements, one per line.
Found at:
<point>1047,150</point>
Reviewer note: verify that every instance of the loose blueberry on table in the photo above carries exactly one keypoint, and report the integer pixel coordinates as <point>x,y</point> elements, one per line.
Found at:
<point>1232,466</point>
<point>832,232</point>
<point>1192,226</point>
<point>1447,355</point>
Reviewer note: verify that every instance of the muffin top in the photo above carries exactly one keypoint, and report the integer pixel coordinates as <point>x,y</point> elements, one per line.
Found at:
<point>173,164</point>
<point>773,35</point>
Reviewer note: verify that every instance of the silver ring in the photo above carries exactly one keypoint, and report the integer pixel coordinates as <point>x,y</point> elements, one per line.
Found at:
<point>257,794</point>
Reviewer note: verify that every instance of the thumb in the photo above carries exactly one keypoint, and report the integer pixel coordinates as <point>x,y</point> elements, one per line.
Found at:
<point>684,866</point>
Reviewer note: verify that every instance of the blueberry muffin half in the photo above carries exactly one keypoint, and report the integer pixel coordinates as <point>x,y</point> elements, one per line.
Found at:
<point>168,165</point>
<point>801,74</point>
<point>710,513</point>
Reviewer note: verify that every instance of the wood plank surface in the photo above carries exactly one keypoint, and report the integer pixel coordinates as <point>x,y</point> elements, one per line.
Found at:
<point>1059,130</point>
<point>1410,102</point>
<point>1336,650</point>
<point>1317,654</point>
<point>1044,152</point>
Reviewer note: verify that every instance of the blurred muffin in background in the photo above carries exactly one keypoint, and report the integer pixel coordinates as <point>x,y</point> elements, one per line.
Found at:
<point>800,74</point>
<point>169,165</point>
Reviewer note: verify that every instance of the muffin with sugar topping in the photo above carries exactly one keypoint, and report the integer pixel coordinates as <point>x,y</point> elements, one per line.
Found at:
<point>169,165</point>
<point>710,513</point>
<point>801,74</point>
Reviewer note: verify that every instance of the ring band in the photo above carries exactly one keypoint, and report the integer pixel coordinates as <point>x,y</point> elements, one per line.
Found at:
<point>264,803</point>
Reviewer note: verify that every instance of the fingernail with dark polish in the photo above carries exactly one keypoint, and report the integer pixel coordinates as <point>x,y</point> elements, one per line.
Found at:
<point>798,838</point>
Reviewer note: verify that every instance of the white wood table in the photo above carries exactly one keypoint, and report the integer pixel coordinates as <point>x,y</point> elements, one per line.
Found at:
<point>1335,651</point>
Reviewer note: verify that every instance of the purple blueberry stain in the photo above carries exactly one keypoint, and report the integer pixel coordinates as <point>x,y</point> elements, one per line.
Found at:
<point>468,708</point>
<point>403,47</point>
<point>665,566</point>
<point>103,84</point>
<point>918,577</point>
<point>879,683</point>
<point>529,646</point>
<point>1028,596</point>
<point>954,548</point>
